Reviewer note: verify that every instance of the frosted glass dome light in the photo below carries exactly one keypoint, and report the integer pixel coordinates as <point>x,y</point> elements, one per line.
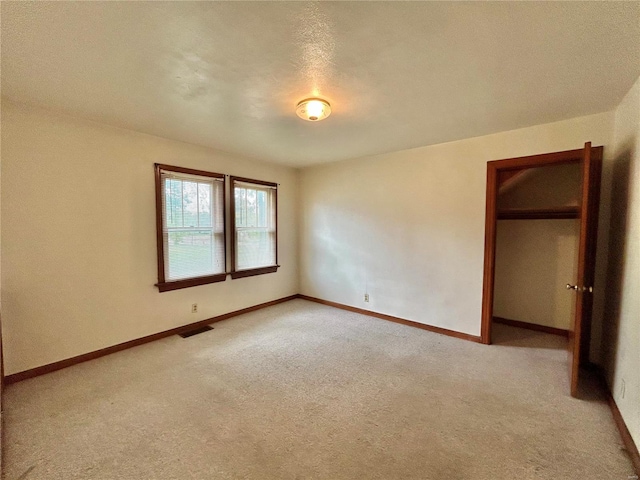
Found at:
<point>313,109</point>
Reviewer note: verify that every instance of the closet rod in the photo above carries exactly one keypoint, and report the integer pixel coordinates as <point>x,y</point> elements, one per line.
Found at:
<point>539,213</point>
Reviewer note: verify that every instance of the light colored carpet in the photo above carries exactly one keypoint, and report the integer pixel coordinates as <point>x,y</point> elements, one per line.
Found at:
<point>305,391</point>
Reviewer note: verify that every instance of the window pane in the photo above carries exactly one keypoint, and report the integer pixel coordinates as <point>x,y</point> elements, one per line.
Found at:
<point>251,219</point>
<point>204,208</point>
<point>255,248</point>
<point>262,208</point>
<point>190,203</point>
<point>173,202</point>
<point>191,254</point>
<point>240,196</point>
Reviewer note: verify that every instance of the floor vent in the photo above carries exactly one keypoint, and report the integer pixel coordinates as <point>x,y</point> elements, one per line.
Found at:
<point>191,333</point>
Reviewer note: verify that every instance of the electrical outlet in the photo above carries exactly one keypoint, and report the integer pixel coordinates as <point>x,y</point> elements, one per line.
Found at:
<point>194,308</point>
<point>366,297</point>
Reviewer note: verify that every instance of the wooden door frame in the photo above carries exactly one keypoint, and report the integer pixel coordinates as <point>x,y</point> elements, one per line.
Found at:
<point>496,169</point>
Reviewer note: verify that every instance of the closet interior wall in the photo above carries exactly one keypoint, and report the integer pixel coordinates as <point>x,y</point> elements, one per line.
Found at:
<point>537,246</point>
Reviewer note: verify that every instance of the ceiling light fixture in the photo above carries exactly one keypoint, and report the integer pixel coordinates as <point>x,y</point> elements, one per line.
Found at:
<point>313,109</point>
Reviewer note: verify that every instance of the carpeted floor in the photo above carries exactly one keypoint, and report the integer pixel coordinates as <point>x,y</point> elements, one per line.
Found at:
<point>305,391</point>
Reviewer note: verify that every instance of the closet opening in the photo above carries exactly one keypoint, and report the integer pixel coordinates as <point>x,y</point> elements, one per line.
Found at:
<point>540,233</point>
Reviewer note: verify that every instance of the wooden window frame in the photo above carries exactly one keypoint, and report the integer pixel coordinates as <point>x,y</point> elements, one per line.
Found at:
<point>232,212</point>
<point>166,286</point>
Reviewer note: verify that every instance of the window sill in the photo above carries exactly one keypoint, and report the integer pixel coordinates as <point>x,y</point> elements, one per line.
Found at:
<point>254,271</point>
<point>190,282</point>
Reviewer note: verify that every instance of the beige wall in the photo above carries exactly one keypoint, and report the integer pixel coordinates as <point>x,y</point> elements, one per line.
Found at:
<point>535,259</point>
<point>621,227</point>
<point>408,227</point>
<point>79,244</point>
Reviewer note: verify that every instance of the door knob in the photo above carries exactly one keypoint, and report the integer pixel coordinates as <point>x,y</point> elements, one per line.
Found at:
<point>579,289</point>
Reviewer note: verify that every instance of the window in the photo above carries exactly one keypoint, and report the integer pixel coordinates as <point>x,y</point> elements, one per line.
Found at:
<point>254,245</point>
<point>190,227</point>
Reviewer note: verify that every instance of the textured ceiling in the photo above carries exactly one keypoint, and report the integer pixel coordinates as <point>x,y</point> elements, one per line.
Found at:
<point>398,75</point>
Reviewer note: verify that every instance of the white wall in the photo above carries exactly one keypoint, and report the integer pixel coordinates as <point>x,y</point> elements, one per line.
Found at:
<point>79,238</point>
<point>408,227</point>
<point>621,327</point>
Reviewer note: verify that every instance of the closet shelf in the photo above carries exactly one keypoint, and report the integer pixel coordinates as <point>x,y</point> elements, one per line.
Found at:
<point>538,213</point>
